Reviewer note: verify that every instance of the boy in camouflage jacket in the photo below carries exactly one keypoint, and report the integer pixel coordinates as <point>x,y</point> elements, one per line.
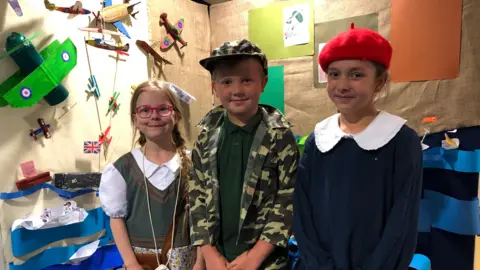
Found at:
<point>245,161</point>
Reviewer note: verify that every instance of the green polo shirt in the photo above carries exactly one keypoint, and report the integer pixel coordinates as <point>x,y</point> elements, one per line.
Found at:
<point>232,157</point>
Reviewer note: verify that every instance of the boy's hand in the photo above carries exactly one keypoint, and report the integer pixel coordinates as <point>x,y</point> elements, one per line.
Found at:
<point>213,259</point>
<point>245,262</point>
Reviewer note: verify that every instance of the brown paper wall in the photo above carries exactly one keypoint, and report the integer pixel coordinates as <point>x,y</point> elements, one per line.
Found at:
<point>456,103</point>
<point>185,71</point>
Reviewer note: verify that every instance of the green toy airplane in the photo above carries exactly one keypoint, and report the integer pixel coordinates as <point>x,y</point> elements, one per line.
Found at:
<point>40,75</point>
<point>112,103</point>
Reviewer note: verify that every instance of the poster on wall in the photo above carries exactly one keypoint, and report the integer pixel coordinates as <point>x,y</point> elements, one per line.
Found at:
<point>327,30</point>
<point>322,76</point>
<point>295,25</point>
<point>287,23</point>
<point>426,40</point>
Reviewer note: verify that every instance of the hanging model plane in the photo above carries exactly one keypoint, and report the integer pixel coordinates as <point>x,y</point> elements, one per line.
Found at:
<point>77,8</point>
<point>149,50</point>
<point>173,32</point>
<point>43,128</point>
<point>101,31</point>
<point>40,74</point>
<point>114,14</point>
<point>104,139</point>
<point>112,103</point>
<point>100,43</point>
<point>16,7</point>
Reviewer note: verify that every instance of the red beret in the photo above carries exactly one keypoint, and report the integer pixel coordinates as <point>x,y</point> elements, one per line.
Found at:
<point>356,43</point>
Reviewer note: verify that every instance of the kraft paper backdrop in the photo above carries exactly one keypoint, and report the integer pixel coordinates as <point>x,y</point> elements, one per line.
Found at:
<point>454,102</point>
<point>63,152</point>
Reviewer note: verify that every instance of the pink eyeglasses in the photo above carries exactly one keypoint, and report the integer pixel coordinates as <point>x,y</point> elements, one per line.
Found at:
<point>146,111</point>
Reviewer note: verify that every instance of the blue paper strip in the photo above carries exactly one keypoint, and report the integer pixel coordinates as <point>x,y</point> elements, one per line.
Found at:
<point>420,262</point>
<point>61,192</point>
<point>25,241</point>
<point>58,255</point>
<point>106,257</point>
<point>455,160</point>
<point>449,214</point>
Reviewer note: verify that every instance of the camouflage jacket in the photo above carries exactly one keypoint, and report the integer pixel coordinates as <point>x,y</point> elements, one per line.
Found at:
<point>266,206</point>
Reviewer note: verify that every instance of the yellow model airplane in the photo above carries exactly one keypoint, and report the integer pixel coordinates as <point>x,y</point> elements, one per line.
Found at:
<point>114,14</point>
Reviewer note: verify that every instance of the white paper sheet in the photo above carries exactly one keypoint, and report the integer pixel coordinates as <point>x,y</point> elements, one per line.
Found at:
<point>65,214</point>
<point>322,76</point>
<point>295,24</point>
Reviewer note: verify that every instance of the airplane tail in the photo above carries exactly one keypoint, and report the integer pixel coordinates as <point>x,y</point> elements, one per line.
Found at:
<point>130,7</point>
<point>133,14</point>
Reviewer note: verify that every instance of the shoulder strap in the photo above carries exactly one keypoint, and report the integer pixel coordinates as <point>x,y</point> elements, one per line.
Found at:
<point>167,243</point>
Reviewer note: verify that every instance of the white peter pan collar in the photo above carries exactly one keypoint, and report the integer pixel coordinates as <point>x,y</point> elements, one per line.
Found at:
<point>378,133</point>
<point>151,168</point>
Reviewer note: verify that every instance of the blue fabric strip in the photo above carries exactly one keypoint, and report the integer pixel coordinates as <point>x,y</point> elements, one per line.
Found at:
<point>58,255</point>
<point>455,160</point>
<point>25,241</point>
<point>105,257</point>
<point>61,192</point>
<point>449,214</point>
<point>420,262</point>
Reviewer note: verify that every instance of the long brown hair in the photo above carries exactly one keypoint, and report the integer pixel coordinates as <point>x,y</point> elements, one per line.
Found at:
<point>177,135</point>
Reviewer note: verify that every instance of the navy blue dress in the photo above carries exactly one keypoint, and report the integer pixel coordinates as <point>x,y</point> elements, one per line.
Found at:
<point>356,209</point>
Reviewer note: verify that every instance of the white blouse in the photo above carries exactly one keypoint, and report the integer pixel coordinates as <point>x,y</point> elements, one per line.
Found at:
<point>113,188</point>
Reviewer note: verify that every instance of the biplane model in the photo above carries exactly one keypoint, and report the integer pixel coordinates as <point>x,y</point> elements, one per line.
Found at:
<point>173,32</point>
<point>16,7</point>
<point>114,14</point>
<point>102,44</point>
<point>112,103</point>
<point>101,31</point>
<point>43,128</point>
<point>104,139</point>
<point>40,74</point>
<point>77,8</point>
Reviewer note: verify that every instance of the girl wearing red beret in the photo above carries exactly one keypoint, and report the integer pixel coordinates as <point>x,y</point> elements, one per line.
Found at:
<point>359,180</point>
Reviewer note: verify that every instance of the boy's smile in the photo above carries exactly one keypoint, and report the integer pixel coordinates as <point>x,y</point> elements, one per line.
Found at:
<point>239,85</point>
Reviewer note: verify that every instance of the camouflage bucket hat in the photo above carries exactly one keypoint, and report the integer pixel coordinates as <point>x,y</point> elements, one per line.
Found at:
<point>235,48</point>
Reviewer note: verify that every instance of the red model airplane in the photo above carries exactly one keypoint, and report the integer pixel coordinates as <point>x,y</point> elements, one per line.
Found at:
<point>104,136</point>
<point>43,128</point>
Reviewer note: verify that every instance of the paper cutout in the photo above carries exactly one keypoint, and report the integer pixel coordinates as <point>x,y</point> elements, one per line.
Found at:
<point>274,93</point>
<point>84,252</point>
<point>65,214</point>
<point>327,30</point>
<point>28,169</point>
<point>449,143</point>
<point>265,28</point>
<point>425,36</point>
<point>295,25</point>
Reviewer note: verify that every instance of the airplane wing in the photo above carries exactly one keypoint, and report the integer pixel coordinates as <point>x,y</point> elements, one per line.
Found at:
<point>167,42</point>
<point>43,79</point>
<point>179,25</point>
<point>18,76</point>
<point>121,28</point>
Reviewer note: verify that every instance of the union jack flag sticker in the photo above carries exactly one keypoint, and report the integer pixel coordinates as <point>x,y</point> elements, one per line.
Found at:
<point>92,147</point>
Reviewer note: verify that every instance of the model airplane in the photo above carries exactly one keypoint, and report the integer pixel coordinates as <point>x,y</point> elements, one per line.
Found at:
<point>43,128</point>
<point>112,103</point>
<point>114,14</point>
<point>100,43</point>
<point>103,138</point>
<point>93,89</point>
<point>426,120</point>
<point>75,9</point>
<point>40,74</point>
<point>173,32</point>
<point>16,7</point>
<point>149,50</point>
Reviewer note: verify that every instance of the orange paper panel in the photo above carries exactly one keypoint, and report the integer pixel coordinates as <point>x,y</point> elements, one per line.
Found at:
<point>425,37</point>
